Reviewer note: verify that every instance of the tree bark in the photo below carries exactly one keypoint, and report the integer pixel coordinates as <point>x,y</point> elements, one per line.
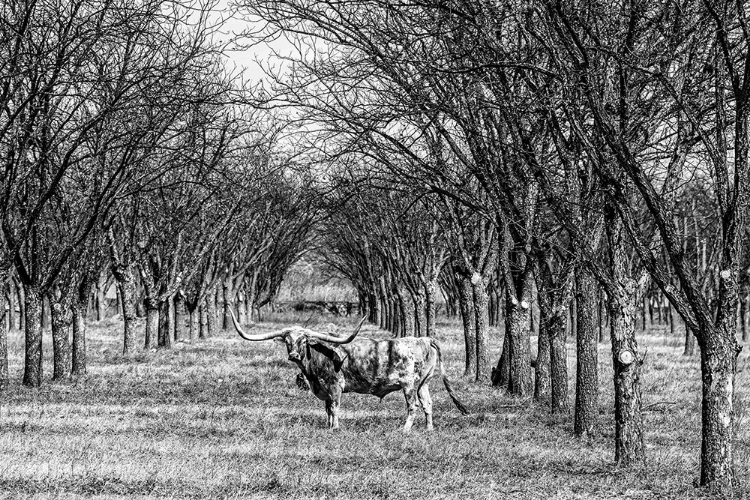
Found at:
<point>587,377</point>
<point>407,312</point>
<point>165,323</point>
<point>79,337</point>
<point>60,341</point>
<point>179,316</point>
<point>375,312</point>
<point>152,322</point>
<point>466,302</point>
<point>430,301</point>
<point>126,284</point>
<point>719,350</point>
<point>11,307</point>
<point>212,325</point>
<point>101,307</point>
<point>420,319</point>
<point>558,358</point>
<point>542,370</point>
<point>397,315</point>
<point>202,322</point>
<point>519,381</point>
<point>743,317</point>
<point>384,305</point>
<point>193,323</point>
<point>229,295</point>
<point>21,306</point>
<point>627,362</point>
<point>501,373</point>
<point>479,288</point>
<point>32,374</point>
<point>4,374</point>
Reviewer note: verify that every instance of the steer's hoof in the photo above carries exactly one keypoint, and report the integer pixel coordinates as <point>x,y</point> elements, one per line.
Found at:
<point>430,428</point>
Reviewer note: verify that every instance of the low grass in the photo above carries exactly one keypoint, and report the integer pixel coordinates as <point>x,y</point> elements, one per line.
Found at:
<point>223,418</point>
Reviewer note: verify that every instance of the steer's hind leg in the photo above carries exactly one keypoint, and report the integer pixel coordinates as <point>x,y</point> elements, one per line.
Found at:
<point>411,407</point>
<point>426,401</point>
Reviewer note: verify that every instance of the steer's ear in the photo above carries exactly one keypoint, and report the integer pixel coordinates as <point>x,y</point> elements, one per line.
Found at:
<point>280,340</point>
<point>331,352</point>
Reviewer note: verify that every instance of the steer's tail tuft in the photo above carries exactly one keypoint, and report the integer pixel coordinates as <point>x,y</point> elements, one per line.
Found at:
<point>447,382</point>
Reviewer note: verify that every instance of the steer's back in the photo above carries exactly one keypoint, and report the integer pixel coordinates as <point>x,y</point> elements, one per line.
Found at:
<point>382,366</point>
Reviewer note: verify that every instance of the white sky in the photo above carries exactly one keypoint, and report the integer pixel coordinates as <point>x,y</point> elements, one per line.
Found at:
<point>247,58</point>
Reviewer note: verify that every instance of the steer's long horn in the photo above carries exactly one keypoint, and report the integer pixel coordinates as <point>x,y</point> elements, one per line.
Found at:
<point>337,340</point>
<point>260,336</point>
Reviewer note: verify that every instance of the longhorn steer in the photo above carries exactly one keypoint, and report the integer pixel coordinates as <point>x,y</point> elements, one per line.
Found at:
<point>334,365</point>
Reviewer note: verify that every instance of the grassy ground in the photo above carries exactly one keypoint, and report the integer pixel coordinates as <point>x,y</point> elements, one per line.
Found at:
<point>223,418</point>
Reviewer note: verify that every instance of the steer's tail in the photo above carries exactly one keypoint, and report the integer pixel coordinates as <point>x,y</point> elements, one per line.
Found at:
<point>447,382</point>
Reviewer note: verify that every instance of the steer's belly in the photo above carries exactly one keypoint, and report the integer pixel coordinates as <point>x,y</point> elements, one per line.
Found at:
<point>379,390</point>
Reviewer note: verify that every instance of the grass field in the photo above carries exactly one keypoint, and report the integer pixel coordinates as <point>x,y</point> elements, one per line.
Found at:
<point>223,418</point>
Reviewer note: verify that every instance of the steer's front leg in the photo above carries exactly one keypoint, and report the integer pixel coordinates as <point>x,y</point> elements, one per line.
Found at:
<point>332,409</point>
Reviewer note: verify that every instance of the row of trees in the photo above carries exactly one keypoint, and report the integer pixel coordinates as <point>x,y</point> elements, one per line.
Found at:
<point>573,145</point>
<point>125,150</point>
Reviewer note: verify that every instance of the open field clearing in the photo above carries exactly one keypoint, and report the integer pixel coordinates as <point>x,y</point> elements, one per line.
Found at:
<point>223,418</point>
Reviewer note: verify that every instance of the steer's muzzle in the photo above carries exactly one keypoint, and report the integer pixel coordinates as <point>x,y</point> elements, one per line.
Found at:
<point>293,356</point>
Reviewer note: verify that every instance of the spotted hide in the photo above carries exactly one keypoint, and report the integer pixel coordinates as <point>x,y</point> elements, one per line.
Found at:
<point>333,366</point>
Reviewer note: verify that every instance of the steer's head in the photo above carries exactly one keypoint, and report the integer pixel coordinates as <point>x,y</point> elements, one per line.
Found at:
<point>300,340</point>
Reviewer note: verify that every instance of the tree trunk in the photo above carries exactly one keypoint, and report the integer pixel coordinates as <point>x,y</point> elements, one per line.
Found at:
<point>479,288</point>
<point>11,307</point>
<point>397,317</point>
<point>179,316</point>
<point>165,323</point>
<point>140,308</point>
<point>375,312</point>
<point>719,350</point>
<point>601,317</point>
<point>407,311</point>
<point>228,294</point>
<point>79,337</point>
<point>430,299</point>
<point>519,381</point>
<point>587,378</point>
<point>501,373</point>
<point>420,326</point>
<point>466,302</point>
<point>32,374</point>
<point>542,370</point>
<point>45,311</point>
<point>626,361</point>
<point>211,317</point>
<point>202,322</point>
<point>101,307</point>
<point>743,317</point>
<point>152,322</point>
<point>250,296</point>
<point>492,307</point>
<point>118,301</point>
<point>4,374</point>
<point>242,308</point>
<point>60,341</point>
<point>21,293</point>
<point>126,286</point>
<point>558,358</point>
<point>384,305</point>
<point>193,323</point>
